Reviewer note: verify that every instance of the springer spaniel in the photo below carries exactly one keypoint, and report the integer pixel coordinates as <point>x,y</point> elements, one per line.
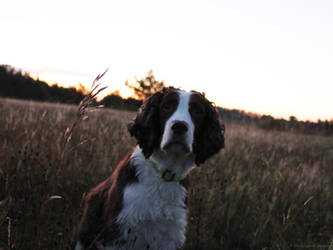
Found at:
<point>142,205</point>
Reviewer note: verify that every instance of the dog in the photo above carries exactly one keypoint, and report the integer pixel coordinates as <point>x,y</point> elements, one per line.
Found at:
<point>142,205</point>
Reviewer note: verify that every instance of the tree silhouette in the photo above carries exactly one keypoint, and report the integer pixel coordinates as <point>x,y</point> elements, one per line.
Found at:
<point>114,100</point>
<point>146,86</point>
<point>15,84</point>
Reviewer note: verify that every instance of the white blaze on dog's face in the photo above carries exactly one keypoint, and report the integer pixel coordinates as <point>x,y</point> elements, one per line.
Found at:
<point>178,132</point>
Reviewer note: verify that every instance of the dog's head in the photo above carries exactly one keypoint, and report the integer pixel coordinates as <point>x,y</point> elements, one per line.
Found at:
<point>178,122</point>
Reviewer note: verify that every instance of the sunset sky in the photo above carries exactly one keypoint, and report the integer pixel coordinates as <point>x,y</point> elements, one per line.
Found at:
<point>265,56</point>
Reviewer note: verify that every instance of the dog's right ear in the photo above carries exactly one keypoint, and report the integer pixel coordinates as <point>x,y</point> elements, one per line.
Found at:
<point>146,126</point>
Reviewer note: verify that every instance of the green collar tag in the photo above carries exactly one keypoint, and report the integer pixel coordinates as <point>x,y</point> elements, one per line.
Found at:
<point>166,175</point>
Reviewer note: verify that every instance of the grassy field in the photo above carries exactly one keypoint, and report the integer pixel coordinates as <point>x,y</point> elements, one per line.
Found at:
<point>265,190</point>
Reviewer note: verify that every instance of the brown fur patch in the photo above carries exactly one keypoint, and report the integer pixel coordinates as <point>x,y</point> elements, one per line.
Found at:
<point>103,204</point>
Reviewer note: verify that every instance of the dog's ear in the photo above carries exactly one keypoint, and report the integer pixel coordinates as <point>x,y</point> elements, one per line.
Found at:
<point>209,138</point>
<point>146,126</point>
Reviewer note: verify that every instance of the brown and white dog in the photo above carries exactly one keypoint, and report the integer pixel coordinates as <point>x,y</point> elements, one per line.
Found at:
<point>142,205</point>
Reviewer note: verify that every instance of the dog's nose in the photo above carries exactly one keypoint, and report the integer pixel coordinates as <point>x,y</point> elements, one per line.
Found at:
<point>179,128</point>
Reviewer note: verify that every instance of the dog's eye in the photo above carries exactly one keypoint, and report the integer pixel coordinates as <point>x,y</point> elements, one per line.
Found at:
<point>197,110</point>
<point>167,107</point>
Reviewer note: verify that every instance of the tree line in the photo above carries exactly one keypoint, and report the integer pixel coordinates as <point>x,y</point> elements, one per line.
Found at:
<point>20,85</point>
<point>17,84</point>
<point>268,122</point>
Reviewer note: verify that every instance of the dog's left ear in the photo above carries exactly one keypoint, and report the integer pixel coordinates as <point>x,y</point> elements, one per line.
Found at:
<point>210,137</point>
<point>146,126</point>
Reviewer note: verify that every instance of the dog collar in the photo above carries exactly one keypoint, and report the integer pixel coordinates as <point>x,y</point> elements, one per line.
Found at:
<point>166,175</point>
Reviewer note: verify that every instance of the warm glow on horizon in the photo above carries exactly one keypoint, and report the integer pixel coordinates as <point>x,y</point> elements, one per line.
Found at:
<point>119,89</point>
<point>265,57</point>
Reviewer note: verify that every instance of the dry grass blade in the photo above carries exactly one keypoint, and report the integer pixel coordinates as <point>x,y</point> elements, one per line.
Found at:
<point>84,104</point>
<point>42,213</point>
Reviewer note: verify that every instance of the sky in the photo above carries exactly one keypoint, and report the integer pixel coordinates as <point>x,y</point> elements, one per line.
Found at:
<point>268,57</point>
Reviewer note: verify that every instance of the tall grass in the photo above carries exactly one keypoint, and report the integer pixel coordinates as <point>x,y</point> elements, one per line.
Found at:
<point>265,190</point>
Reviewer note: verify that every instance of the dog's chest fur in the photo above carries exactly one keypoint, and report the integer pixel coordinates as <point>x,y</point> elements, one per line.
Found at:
<point>154,212</point>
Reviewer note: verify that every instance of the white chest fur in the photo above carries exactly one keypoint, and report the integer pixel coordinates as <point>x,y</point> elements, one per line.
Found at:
<point>154,212</point>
